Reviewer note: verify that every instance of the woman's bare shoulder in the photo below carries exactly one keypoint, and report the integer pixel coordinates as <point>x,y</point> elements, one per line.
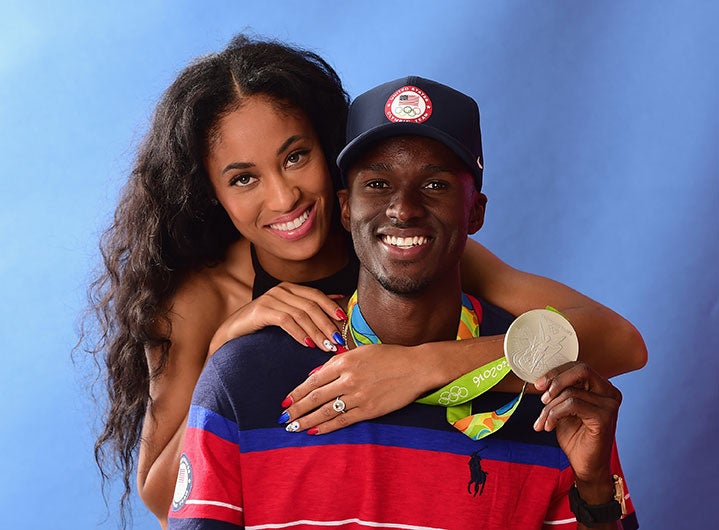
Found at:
<point>204,298</point>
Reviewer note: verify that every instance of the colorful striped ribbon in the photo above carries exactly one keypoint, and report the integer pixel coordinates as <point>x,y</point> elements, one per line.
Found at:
<point>456,396</point>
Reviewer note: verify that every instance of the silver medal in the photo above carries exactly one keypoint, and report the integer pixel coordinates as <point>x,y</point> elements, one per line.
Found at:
<point>538,341</point>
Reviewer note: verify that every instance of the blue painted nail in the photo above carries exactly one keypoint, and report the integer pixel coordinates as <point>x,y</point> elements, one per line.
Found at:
<point>285,416</point>
<point>338,338</point>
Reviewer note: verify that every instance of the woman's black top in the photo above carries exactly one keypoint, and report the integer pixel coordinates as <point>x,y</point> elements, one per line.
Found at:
<point>344,281</point>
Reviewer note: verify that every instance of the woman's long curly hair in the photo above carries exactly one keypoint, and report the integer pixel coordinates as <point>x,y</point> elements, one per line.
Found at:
<point>167,225</point>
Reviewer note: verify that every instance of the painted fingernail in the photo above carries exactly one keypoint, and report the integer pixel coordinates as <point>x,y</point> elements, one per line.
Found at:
<point>316,369</point>
<point>313,431</point>
<point>287,402</point>
<point>341,314</point>
<point>293,427</point>
<point>284,417</point>
<point>338,338</point>
<point>329,346</point>
<point>310,343</point>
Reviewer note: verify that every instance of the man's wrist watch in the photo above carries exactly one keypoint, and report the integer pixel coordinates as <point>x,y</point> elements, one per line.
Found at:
<point>591,514</point>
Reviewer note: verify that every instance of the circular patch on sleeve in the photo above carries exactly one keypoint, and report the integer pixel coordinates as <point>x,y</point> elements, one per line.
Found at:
<point>183,486</point>
<point>408,104</point>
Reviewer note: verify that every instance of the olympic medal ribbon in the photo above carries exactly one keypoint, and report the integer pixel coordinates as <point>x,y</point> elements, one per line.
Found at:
<point>457,395</point>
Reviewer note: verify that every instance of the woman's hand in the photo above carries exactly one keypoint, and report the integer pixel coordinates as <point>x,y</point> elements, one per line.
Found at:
<point>372,381</point>
<point>380,378</point>
<point>308,315</point>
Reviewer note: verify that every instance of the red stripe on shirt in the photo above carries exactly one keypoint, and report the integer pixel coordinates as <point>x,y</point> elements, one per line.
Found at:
<point>216,491</point>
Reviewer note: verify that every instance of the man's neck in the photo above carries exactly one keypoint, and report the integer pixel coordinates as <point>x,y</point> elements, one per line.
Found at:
<point>429,316</point>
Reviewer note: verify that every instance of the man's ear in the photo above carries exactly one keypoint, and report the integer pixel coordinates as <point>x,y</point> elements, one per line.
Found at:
<point>476,213</point>
<point>344,198</point>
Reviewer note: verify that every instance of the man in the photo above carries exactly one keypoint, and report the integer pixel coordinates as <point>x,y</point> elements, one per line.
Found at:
<point>413,169</point>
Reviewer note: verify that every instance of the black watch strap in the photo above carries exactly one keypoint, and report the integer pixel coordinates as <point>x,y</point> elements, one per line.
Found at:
<point>589,515</point>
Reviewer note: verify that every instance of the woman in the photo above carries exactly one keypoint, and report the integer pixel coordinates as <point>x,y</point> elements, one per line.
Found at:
<point>244,142</point>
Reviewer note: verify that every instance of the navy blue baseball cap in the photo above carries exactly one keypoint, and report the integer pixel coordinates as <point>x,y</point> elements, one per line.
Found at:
<point>414,106</point>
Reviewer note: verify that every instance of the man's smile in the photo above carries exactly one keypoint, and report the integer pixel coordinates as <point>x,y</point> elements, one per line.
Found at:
<point>404,242</point>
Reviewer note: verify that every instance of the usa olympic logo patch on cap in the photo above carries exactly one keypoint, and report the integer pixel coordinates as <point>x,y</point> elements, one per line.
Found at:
<point>408,104</point>
<point>183,486</point>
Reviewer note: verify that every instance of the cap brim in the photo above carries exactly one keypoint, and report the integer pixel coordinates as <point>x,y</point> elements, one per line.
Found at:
<point>353,150</point>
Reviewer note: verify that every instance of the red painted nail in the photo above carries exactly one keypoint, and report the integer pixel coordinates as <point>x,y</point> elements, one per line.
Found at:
<point>316,369</point>
<point>310,343</point>
<point>287,402</point>
<point>313,431</point>
<point>341,314</point>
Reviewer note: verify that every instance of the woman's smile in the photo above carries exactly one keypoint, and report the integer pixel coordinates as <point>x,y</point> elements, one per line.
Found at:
<point>293,226</point>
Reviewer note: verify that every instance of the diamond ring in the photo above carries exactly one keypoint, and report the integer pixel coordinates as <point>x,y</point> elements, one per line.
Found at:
<point>339,405</point>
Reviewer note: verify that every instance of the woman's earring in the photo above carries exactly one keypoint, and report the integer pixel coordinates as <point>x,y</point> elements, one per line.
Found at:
<point>214,202</point>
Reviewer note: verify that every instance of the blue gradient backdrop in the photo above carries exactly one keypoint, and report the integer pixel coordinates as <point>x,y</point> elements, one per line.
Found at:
<point>600,123</point>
